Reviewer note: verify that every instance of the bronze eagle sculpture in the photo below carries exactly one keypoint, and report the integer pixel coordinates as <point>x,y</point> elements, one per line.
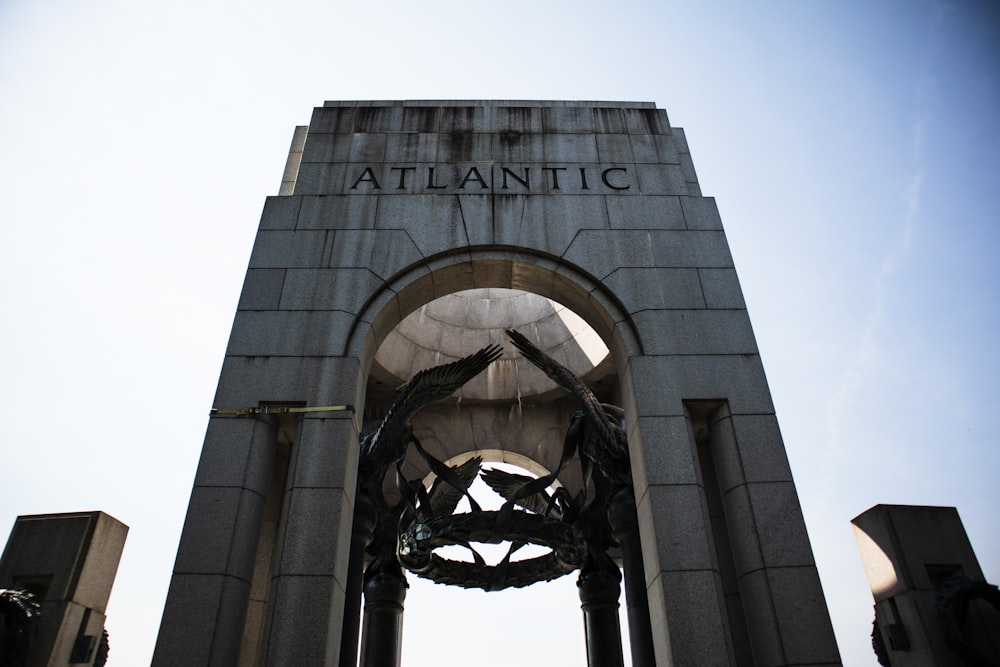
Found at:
<point>598,428</point>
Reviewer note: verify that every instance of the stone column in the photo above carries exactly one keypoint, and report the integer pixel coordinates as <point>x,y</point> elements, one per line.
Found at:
<point>599,592</point>
<point>382,634</point>
<point>205,614</point>
<point>625,529</point>
<point>308,585</point>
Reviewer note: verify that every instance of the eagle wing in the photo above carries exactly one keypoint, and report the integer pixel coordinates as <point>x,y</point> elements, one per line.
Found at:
<point>603,421</point>
<point>508,484</point>
<point>387,443</point>
<point>444,497</point>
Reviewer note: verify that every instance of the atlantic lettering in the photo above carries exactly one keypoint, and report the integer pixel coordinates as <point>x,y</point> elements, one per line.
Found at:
<point>507,172</point>
<point>466,178</point>
<point>604,178</point>
<point>367,176</point>
<point>473,175</point>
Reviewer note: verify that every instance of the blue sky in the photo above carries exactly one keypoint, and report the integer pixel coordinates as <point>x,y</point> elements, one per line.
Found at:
<point>850,145</point>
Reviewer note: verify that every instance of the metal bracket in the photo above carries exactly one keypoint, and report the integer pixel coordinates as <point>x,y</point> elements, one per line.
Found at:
<point>266,409</point>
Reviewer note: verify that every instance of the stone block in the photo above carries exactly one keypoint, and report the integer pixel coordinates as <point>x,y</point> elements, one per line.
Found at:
<point>280,212</point>
<point>238,452</point>
<point>322,179</point>
<point>420,119</point>
<point>721,288</point>
<point>354,211</point>
<point>642,389</point>
<point>701,249</point>
<point>378,119</point>
<point>366,148</point>
<point>412,148</point>
<point>662,383</point>
<point>418,291</point>
<point>568,119</point>
<point>665,147</point>
<point>646,121</point>
<point>285,249</point>
<point>897,541</point>
<point>307,611</point>
<point>596,307</point>
<point>78,552</point>
<point>638,148</point>
<point>724,451</point>
<point>780,526</point>
<point>477,213</point>
<point>696,618</point>
<point>248,381</point>
<point>609,120</point>
<point>201,618</point>
<point>98,561</point>
<point>282,333</point>
<point>807,636</point>
<point>701,213</point>
<point>434,222</point>
<point>642,289</point>
<point>599,252</point>
<point>221,534</point>
<point>558,148</point>
<point>327,148</point>
<point>468,147</point>
<point>462,119</point>
<point>680,139</point>
<point>661,179</point>
<point>681,526</point>
<point>615,148</point>
<point>667,451</point>
<point>383,252</point>
<point>312,536</point>
<point>658,620</point>
<point>762,627</point>
<point>687,167</point>
<point>696,331</point>
<point>648,537</point>
<point>546,223</point>
<point>332,119</point>
<point>743,532</point>
<point>517,119</point>
<point>343,289</point>
<point>262,289</point>
<point>325,454</point>
<point>762,450</point>
<point>646,212</point>
<point>387,315</point>
<point>514,148</point>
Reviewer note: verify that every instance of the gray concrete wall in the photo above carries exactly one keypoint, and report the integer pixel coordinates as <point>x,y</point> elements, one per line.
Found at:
<point>69,562</point>
<point>595,205</point>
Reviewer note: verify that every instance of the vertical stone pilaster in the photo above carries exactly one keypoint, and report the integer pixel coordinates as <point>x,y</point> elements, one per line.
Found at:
<point>308,587</point>
<point>203,621</point>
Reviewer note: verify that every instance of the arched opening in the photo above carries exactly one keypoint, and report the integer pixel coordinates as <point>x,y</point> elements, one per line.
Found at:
<point>511,415</point>
<point>511,408</point>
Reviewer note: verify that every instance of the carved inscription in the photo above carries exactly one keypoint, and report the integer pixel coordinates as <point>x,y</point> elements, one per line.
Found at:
<point>473,178</point>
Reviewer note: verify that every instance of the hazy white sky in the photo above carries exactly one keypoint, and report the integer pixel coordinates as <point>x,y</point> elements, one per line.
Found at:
<point>851,147</point>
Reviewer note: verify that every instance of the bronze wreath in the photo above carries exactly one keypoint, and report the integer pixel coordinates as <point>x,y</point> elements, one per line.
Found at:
<point>418,541</point>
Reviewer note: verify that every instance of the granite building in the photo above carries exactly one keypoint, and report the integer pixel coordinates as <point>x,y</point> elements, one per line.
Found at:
<point>410,234</point>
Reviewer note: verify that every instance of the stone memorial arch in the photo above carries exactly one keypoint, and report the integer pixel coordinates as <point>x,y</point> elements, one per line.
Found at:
<point>410,235</point>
